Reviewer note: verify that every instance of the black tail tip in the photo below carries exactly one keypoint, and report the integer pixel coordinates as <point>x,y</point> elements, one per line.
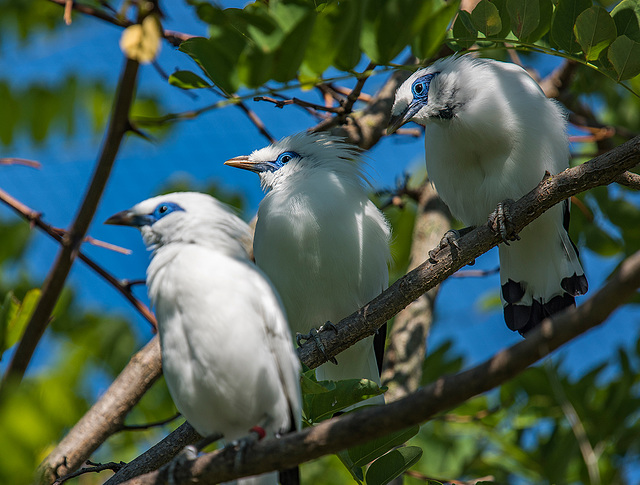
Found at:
<point>524,318</point>
<point>290,476</point>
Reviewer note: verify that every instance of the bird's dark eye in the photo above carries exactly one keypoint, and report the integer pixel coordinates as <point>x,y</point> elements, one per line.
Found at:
<point>286,157</point>
<point>420,87</point>
<point>165,208</point>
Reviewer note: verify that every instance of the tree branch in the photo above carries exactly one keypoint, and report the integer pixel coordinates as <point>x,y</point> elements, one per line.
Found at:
<point>118,126</point>
<point>447,392</point>
<point>106,416</point>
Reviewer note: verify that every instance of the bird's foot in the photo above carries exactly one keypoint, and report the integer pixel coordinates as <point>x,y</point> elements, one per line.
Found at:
<point>450,239</point>
<point>255,434</point>
<point>500,222</point>
<point>188,454</point>
<point>313,335</point>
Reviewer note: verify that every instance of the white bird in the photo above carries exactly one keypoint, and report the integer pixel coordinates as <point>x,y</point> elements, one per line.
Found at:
<point>320,239</point>
<point>227,354</point>
<point>490,135</point>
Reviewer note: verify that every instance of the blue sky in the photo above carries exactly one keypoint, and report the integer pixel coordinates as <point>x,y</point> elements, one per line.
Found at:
<point>196,150</point>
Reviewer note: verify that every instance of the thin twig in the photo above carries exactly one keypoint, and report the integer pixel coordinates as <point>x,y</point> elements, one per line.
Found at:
<point>255,119</point>
<point>299,102</point>
<point>102,244</point>
<point>426,479</point>
<point>93,468</point>
<point>144,427</point>
<point>475,273</point>
<point>354,95</point>
<point>20,161</point>
<point>341,90</point>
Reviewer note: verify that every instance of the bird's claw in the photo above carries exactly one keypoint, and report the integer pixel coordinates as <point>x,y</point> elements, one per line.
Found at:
<point>313,335</point>
<point>188,454</point>
<point>500,222</point>
<point>450,239</point>
<point>255,434</point>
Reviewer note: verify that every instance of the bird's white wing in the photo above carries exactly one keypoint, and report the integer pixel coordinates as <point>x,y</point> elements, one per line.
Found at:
<point>206,300</point>
<point>279,340</point>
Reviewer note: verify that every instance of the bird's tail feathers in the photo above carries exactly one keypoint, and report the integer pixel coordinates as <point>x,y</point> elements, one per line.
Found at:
<point>541,274</point>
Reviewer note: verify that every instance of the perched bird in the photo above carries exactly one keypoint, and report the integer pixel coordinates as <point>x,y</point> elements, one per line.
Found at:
<point>320,239</point>
<point>227,354</point>
<point>490,135</point>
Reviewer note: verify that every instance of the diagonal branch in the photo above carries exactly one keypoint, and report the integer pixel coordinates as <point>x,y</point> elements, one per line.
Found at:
<point>118,126</point>
<point>447,392</point>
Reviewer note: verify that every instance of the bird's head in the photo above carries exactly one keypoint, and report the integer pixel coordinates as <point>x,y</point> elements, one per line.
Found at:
<point>433,93</point>
<point>188,217</point>
<point>298,154</point>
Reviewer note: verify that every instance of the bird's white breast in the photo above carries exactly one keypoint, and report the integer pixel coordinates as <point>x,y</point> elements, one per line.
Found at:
<point>498,146</point>
<point>324,245</point>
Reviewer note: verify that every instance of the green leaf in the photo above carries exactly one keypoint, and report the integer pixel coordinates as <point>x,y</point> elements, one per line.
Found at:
<point>187,80</point>
<point>338,396</point>
<point>390,25</point>
<point>463,29</point>
<point>486,18</point>
<point>525,17</point>
<point>545,8</point>
<point>331,28</point>
<point>564,17</point>
<point>626,15</point>
<point>356,472</point>
<point>392,465</point>
<point>14,316</point>
<point>350,50</point>
<point>595,30</point>
<point>431,36</point>
<point>624,54</point>
<point>505,19</point>
<point>364,454</point>
<point>291,53</point>
<point>218,56</point>
<point>8,311</point>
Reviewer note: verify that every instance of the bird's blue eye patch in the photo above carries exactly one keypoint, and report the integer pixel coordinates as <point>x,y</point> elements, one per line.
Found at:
<point>420,87</point>
<point>165,208</point>
<point>280,162</point>
<point>286,157</point>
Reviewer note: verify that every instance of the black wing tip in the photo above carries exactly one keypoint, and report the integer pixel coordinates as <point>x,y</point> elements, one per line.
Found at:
<point>524,318</point>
